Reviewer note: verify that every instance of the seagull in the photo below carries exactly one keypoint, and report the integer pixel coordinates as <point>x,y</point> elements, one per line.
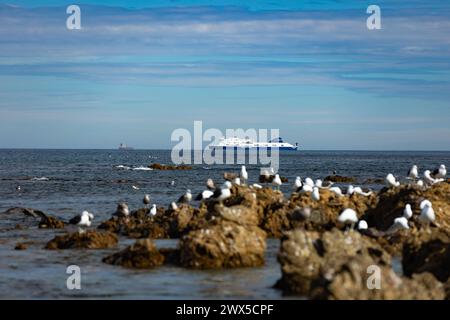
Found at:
<point>429,180</point>
<point>210,184</point>
<point>223,193</point>
<point>336,190</point>
<point>172,183</point>
<point>420,184</point>
<point>315,195</point>
<point>399,224</point>
<point>243,175</point>
<point>18,188</point>
<point>413,173</point>
<point>306,188</point>
<point>348,217</point>
<point>135,188</point>
<point>362,225</point>
<point>204,195</point>
<point>391,181</point>
<point>146,200</point>
<point>122,210</point>
<point>318,183</point>
<point>153,210</point>
<point>257,186</point>
<point>407,212</point>
<point>173,206</point>
<point>427,214</point>
<point>297,183</point>
<point>186,198</point>
<point>277,181</point>
<point>351,190</point>
<point>83,220</point>
<point>440,173</point>
<point>309,182</point>
<point>237,181</point>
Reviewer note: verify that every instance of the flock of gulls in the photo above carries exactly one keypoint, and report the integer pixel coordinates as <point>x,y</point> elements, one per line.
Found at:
<point>347,217</point>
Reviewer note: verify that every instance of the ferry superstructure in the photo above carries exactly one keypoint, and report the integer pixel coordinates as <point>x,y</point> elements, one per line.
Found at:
<point>239,143</point>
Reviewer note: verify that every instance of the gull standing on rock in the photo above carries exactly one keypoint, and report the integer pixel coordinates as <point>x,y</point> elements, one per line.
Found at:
<point>391,181</point>
<point>173,206</point>
<point>309,182</point>
<point>297,183</point>
<point>315,194</point>
<point>237,181</point>
<point>336,190</point>
<point>399,224</point>
<point>440,173</point>
<point>243,175</point>
<point>223,193</point>
<point>429,180</point>
<point>206,194</point>
<point>427,214</point>
<point>153,210</point>
<point>407,212</point>
<point>362,225</point>
<point>186,198</point>
<point>348,217</point>
<point>83,220</point>
<point>413,173</point>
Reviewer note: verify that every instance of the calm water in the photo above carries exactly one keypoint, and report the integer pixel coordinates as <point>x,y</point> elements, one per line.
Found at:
<point>89,180</point>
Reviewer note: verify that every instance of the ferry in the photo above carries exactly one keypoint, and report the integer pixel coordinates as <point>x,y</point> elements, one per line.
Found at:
<point>248,144</point>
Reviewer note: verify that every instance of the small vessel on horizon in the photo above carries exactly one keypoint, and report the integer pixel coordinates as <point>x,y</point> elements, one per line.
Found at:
<point>248,144</point>
<point>123,146</point>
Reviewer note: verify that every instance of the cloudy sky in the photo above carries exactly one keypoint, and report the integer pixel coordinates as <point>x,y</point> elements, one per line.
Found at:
<point>137,70</point>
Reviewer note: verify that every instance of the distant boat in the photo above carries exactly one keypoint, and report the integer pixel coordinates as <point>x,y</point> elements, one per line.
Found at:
<point>123,146</point>
<point>238,143</point>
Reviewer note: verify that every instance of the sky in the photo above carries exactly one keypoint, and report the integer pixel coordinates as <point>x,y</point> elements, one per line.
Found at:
<point>138,70</point>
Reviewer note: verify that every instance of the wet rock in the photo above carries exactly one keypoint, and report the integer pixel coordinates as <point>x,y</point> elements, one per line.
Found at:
<point>223,245</point>
<point>141,255</point>
<point>85,240</point>
<point>428,250</point>
<point>49,222</point>
<point>392,202</point>
<point>340,179</point>
<point>356,280</point>
<point>374,181</point>
<point>269,179</point>
<point>308,257</point>
<point>21,246</point>
<point>159,166</point>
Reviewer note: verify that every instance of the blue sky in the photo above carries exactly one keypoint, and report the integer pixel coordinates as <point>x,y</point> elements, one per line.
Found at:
<point>140,69</point>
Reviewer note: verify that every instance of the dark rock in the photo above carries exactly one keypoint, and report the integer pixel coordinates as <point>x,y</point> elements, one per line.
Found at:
<point>159,166</point>
<point>21,246</point>
<point>428,251</point>
<point>141,255</point>
<point>49,222</point>
<point>85,240</point>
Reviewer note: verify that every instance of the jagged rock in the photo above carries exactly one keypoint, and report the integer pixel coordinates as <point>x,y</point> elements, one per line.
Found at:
<point>223,245</point>
<point>392,202</point>
<point>85,240</point>
<point>48,222</point>
<point>355,280</point>
<point>21,246</point>
<point>307,257</point>
<point>428,251</point>
<point>141,255</point>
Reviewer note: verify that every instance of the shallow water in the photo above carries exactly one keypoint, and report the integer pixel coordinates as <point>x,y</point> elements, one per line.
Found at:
<point>88,180</point>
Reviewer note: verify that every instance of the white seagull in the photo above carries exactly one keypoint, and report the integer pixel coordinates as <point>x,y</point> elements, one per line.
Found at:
<point>153,210</point>
<point>318,183</point>
<point>362,225</point>
<point>277,181</point>
<point>210,184</point>
<point>135,188</point>
<point>407,212</point>
<point>237,181</point>
<point>297,183</point>
<point>122,210</point>
<point>315,194</point>
<point>413,173</point>
<point>243,175</point>
<point>399,224</point>
<point>83,220</point>
<point>429,180</point>
<point>223,193</point>
<point>173,206</point>
<point>391,181</point>
<point>427,214</point>
<point>146,200</point>
<point>336,190</point>
<point>306,189</point>
<point>206,194</point>
<point>348,217</point>
<point>309,182</point>
<point>440,173</point>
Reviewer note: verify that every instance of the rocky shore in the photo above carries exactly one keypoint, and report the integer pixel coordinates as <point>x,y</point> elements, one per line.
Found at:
<point>321,256</point>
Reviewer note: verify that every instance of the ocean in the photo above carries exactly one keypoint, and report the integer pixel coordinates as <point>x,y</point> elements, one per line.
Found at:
<point>65,182</point>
